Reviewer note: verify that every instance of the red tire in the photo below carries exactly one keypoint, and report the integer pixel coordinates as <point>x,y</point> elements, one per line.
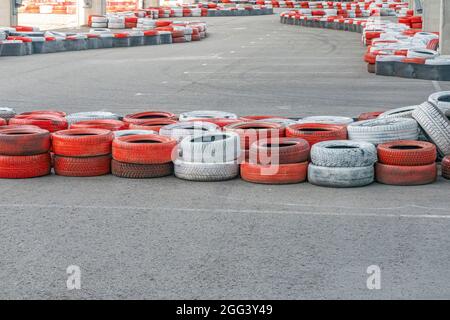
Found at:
<point>154,125</point>
<point>82,142</point>
<point>48,112</point>
<point>82,167</point>
<point>143,149</point>
<point>252,131</point>
<point>317,132</point>
<point>251,118</point>
<point>140,117</point>
<point>218,121</point>
<point>279,151</point>
<point>407,153</point>
<point>140,171</point>
<point>48,122</point>
<point>107,124</point>
<point>369,115</point>
<point>22,167</point>
<point>406,175</point>
<point>282,174</point>
<point>24,141</point>
<point>446,167</point>
<point>3,122</point>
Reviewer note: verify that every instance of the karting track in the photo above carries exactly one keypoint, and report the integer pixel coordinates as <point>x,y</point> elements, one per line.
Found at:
<point>168,238</point>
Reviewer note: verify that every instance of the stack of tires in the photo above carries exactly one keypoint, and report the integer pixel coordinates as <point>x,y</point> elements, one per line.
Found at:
<point>446,167</point>
<point>277,161</point>
<point>24,152</point>
<point>208,157</point>
<point>406,163</point>
<point>83,152</point>
<point>142,156</point>
<point>342,164</point>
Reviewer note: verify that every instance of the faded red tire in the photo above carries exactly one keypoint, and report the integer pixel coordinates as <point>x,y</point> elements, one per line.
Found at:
<point>3,122</point>
<point>446,167</point>
<point>143,149</point>
<point>10,126</point>
<point>140,117</point>
<point>407,153</point>
<point>49,112</point>
<point>154,125</point>
<point>141,171</point>
<point>253,131</point>
<point>17,141</point>
<point>317,132</point>
<point>406,175</point>
<point>251,118</point>
<point>277,174</point>
<point>108,124</point>
<point>21,167</point>
<point>82,142</point>
<point>282,151</point>
<point>369,115</point>
<point>48,122</point>
<point>82,167</point>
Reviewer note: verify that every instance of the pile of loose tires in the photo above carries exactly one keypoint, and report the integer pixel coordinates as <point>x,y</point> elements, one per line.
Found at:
<point>402,146</point>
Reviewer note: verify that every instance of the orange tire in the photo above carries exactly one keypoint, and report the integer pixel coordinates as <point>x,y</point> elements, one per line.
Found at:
<point>17,141</point>
<point>406,175</point>
<point>142,117</point>
<point>108,124</point>
<point>49,112</point>
<point>154,125</point>
<point>279,151</point>
<point>407,153</point>
<point>252,131</point>
<point>446,167</point>
<point>82,142</point>
<point>21,167</point>
<point>3,122</point>
<point>369,115</point>
<point>48,122</point>
<point>143,149</point>
<point>251,118</point>
<point>278,174</point>
<point>82,167</point>
<point>317,132</point>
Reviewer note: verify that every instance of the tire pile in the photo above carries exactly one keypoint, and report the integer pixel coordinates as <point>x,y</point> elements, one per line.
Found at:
<point>396,147</point>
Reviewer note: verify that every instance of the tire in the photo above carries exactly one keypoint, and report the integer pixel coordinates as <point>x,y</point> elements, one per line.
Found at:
<point>441,100</point>
<point>107,124</point>
<point>143,149</point>
<point>141,117</point>
<point>436,126</point>
<point>195,171</point>
<point>422,53</point>
<point>282,174</point>
<point>404,112</point>
<point>338,177</point>
<point>82,142</point>
<point>279,151</point>
<point>343,153</point>
<point>124,133</point>
<point>7,113</point>
<point>317,132</point>
<point>82,167</point>
<point>251,131</point>
<point>327,120</point>
<point>384,130</point>
<point>91,115</point>
<point>221,122</point>
<point>180,130</point>
<point>446,167</point>
<point>140,171</point>
<point>206,114</point>
<point>49,122</point>
<point>407,153</point>
<point>154,125</point>
<point>217,147</point>
<point>369,115</point>
<point>3,122</point>
<point>284,122</point>
<point>406,175</point>
<point>17,141</point>
<point>22,167</point>
<point>256,118</point>
<point>57,113</point>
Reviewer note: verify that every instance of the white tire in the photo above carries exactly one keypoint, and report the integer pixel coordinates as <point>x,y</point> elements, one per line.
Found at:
<point>338,177</point>
<point>206,114</point>
<point>196,171</point>
<point>90,115</point>
<point>181,130</point>
<point>422,53</point>
<point>404,112</point>
<point>7,113</point>
<point>441,99</point>
<point>327,120</point>
<point>123,133</point>
<point>343,153</point>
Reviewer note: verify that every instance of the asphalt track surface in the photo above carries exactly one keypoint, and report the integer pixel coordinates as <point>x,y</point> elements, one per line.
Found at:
<point>172,239</point>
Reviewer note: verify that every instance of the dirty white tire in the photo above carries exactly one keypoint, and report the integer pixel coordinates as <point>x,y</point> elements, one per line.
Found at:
<point>435,124</point>
<point>344,153</point>
<point>181,130</point>
<point>383,130</point>
<point>206,114</point>
<point>91,115</point>
<point>403,112</point>
<point>284,122</point>
<point>197,171</point>
<point>217,147</point>
<point>7,113</point>
<point>124,133</point>
<point>422,53</point>
<point>337,177</point>
<point>327,120</point>
<point>441,99</point>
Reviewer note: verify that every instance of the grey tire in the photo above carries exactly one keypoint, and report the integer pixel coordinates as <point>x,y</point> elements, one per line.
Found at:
<point>344,153</point>
<point>441,99</point>
<point>383,130</point>
<point>404,112</point>
<point>197,171</point>
<point>341,177</point>
<point>7,113</point>
<point>216,147</point>
<point>435,124</point>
